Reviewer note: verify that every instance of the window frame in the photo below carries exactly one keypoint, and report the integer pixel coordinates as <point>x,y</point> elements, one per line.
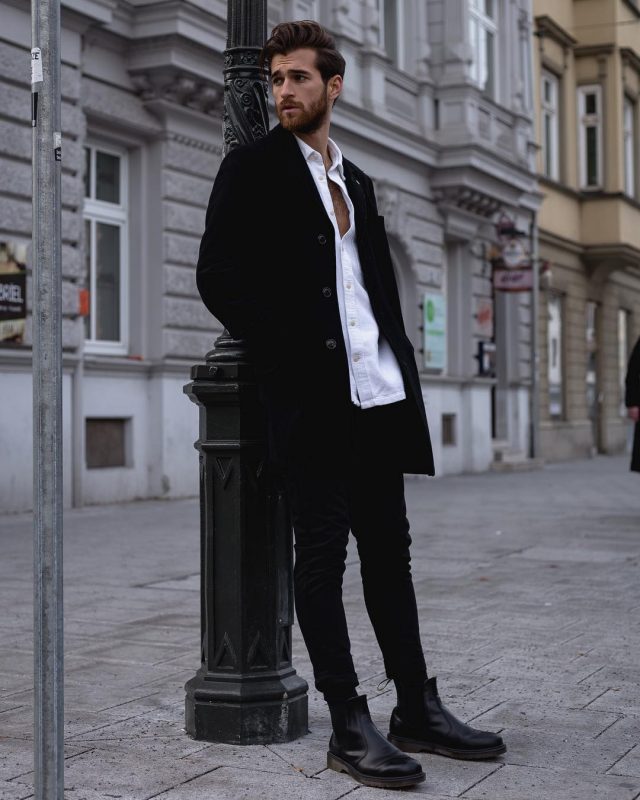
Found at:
<point>551,111</point>
<point>629,147</point>
<point>117,214</point>
<point>485,24</point>
<point>586,121</point>
<point>397,57</point>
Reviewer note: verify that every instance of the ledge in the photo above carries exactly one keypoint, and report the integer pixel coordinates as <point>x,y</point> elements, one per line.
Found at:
<point>546,26</point>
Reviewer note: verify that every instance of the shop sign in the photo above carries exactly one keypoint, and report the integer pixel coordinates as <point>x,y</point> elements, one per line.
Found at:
<point>435,331</point>
<point>513,280</point>
<point>13,292</point>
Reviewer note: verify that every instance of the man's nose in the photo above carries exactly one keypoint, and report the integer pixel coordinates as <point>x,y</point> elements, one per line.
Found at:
<point>287,88</point>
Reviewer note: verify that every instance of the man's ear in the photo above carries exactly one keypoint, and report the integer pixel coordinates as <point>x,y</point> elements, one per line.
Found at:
<point>335,87</point>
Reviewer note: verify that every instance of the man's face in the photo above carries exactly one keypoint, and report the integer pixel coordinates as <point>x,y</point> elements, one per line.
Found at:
<point>302,98</point>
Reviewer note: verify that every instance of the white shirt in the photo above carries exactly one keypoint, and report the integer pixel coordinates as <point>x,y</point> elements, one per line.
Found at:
<point>374,373</point>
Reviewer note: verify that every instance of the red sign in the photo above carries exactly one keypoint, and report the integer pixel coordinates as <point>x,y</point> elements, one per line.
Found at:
<point>513,280</point>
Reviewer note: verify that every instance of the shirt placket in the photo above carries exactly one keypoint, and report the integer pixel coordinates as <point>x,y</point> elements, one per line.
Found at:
<point>354,332</point>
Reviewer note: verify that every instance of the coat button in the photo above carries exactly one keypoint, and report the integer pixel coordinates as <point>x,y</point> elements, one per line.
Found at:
<point>331,344</point>
<point>322,238</point>
<point>326,292</point>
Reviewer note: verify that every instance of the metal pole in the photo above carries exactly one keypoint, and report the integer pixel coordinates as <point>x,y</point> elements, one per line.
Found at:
<point>47,402</point>
<point>534,421</point>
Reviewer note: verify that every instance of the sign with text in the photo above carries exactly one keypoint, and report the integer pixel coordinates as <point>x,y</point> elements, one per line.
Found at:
<point>13,292</point>
<point>513,280</point>
<point>435,330</point>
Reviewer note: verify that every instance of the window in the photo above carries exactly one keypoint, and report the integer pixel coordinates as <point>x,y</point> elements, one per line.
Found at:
<point>629,146</point>
<point>448,430</point>
<point>106,443</point>
<point>590,125</point>
<point>391,29</point>
<point>550,126</point>
<point>554,354</point>
<point>483,37</point>
<point>106,248</point>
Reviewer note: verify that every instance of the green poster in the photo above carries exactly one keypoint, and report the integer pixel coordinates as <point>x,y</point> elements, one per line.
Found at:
<point>435,331</point>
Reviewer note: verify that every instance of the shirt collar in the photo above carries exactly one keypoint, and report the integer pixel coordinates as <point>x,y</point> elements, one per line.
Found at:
<point>314,156</point>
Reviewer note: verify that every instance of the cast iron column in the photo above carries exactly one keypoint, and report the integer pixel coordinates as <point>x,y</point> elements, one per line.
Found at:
<point>246,691</point>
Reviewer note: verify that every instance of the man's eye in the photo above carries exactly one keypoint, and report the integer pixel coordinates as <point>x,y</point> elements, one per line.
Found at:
<point>301,77</point>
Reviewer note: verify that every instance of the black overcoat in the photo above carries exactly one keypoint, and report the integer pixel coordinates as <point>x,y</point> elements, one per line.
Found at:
<point>267,271</point>
<point>632,398</point>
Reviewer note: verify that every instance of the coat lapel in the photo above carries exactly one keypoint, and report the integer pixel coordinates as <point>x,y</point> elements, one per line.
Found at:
<point>295,177</point>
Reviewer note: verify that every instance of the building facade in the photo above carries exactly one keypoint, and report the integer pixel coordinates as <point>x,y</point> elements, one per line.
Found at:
<point>587,95</point>
<point>438,108</point>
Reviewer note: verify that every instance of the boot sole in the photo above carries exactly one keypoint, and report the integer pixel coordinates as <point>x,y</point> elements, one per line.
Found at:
<point>416,746</point>
<point>337,764</point>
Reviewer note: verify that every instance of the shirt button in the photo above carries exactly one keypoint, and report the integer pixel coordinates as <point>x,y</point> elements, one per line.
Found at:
<point>331,344</point>
<point>348,285</point>
<point>322,238</point>
<point>321,177</point>
<point>327,291</point>
<point>356,357</point>
<point>352,323</point>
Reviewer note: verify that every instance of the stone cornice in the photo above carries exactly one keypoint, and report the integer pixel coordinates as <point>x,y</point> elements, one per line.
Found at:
<point>587,50</point>
<point>546,26</point>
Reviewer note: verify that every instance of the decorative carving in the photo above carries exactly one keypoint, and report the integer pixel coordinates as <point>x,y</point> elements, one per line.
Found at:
<point>197,144</point>
<point>371,22</point>
<point>225,657</point>
<point>178,87</point>
<point>467,199</point>
<point>284,648</point>
<point>257,657</point>
<point>245,97</point>
<point>224,468</point>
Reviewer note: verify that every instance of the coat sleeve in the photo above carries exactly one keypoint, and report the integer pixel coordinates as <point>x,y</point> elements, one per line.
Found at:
<point>632,394</point>
<point>227,274</point>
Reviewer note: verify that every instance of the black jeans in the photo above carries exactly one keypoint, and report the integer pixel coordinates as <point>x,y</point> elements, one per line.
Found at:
<point>355,487</point>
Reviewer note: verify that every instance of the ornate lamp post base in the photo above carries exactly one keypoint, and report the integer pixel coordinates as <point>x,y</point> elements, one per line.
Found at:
<point>261,712</point>
<point>246,690</point>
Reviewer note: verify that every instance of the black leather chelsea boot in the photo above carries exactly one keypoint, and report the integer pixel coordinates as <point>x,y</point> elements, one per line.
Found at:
<point>420,723</point>
<point>358,748</point>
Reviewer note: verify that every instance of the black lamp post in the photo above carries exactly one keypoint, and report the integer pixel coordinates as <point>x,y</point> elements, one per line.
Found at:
<point>246,690</point>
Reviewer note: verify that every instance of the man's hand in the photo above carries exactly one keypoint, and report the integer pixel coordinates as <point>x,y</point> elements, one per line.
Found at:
<point>634,413</point>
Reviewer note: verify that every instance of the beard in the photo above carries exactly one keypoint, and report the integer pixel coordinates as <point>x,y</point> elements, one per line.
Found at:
<point>308,120</point>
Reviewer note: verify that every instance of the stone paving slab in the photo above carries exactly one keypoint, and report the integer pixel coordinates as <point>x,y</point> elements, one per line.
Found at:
<point>527,783</point>
<point>528,592</point>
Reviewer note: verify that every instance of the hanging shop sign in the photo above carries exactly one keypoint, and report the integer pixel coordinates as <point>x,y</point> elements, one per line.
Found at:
<point>513,280</point>
<point>435,330</point>
<point>511,258</point>
<point>13,292</point>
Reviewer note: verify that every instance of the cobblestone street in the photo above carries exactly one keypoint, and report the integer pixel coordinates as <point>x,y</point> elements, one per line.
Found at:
<point>529,594</point>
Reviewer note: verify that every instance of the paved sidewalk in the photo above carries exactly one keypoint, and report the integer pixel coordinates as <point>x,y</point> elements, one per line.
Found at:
<point>529,594</point>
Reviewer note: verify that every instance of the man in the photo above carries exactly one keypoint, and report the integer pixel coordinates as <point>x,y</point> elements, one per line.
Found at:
<point>632,401</point>
<point>295,261</point>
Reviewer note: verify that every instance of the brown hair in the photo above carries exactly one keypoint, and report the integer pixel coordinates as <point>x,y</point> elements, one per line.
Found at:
<point>289,36</point>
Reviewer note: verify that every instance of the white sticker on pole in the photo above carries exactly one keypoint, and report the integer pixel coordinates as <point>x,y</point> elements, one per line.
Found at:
<point>36,65</point>
<point>57,145</point>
